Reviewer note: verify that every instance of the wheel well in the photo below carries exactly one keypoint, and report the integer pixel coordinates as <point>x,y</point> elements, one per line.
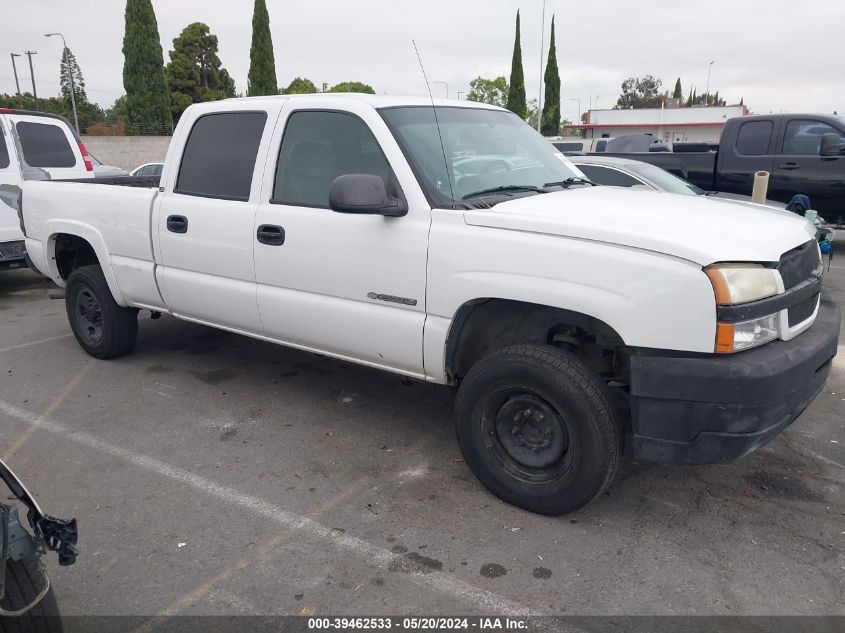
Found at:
<point>483,325</point>
<point>72,252</point>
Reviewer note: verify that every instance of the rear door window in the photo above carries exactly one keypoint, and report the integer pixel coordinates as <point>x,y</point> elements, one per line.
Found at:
<point>569,147</point>
<point>219,157</point>
<point>45,145</point>
<point>4,151</point>
<point>754,137</point>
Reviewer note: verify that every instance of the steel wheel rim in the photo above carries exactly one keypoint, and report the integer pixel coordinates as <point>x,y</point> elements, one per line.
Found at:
<point>89,315</point>
<point>527,435</point>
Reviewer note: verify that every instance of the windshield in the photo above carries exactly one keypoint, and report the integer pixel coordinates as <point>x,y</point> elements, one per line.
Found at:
<point>664,180</point>
<point>485,150</point>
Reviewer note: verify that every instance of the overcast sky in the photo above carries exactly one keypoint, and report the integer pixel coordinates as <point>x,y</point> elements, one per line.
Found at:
<point>780,55</point>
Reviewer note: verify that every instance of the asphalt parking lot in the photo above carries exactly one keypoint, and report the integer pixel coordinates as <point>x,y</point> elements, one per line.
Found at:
<point>215,474</point>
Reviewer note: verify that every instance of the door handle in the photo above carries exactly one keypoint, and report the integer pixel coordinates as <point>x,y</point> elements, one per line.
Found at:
<point>789,166</point>
<point>177,224</point>
<point>271,235</point>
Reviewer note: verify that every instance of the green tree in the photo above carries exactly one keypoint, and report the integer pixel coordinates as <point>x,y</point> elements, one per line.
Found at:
<point>550,122</point>
<point>640,93</point>
<point>516,93</point>
<point>492,91</point>
<point>353,86</point>
<point>68,66</point>
<point>678,93</point>
<point>147,96</point>
<point>300,86</point>
<point>262,63</point>
<point>195,73</point>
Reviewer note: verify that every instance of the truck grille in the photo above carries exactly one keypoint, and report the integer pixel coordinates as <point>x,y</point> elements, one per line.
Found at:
<point>799,264</point>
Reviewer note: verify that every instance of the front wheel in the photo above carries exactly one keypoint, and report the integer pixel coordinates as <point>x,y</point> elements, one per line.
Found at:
<point>538,428</point>
<point>101,327</point>
<point>25,582</point>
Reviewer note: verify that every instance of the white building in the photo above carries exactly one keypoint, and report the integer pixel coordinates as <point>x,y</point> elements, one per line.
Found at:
<point>671,125</point>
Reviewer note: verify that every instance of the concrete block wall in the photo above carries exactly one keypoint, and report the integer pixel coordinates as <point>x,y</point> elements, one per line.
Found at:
<point>127,151</point>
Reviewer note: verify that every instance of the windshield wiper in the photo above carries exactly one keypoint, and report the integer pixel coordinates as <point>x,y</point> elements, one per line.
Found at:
<point>505,189</point>
<point>565,184</point>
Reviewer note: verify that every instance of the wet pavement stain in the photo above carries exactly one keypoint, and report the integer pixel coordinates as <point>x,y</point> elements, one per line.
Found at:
<point>542,573</point>
<point>492,570</point>
<point>415,563</point>
<point>783,487</point>
<point>159,369</point>
<point>215,376</point>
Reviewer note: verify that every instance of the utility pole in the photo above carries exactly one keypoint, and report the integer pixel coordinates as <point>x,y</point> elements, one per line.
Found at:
<point>445,84</point>
<point>15,70</point>
<point>32,72</point>
<point>709,68</point>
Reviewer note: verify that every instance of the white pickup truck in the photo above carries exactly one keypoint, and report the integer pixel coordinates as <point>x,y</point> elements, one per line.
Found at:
<point>33,146</point>
<point>449,242</point>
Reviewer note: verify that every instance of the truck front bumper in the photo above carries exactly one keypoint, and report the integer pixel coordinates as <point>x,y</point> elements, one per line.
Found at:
<point>703,409</point>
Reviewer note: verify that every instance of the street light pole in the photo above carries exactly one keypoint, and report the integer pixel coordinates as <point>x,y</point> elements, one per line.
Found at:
<point>540,97</point>
<point>579,108</point>
<point>460,92</point>
<point>709,68</point>
<point>32,72</point>
<point>70,75</point>
<point>15,70</point>
<point>445,84</point>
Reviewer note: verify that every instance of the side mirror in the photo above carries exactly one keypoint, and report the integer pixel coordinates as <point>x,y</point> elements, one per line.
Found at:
<point>831,144</point>
<point>364,194</point>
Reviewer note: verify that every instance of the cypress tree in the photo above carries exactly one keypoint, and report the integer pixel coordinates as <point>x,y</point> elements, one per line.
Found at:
<point>262,63</point>
<point>678,93</point>
<point>550,123</point>
<point>147,96</point>
<point>516,94</point>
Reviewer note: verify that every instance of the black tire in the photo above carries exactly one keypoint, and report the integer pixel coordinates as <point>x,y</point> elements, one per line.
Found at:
<point>101,327</point>
<point>24,581</point>
<point>538,428</point>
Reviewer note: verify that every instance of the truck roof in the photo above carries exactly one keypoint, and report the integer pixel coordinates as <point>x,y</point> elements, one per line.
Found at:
<point>376,101</point>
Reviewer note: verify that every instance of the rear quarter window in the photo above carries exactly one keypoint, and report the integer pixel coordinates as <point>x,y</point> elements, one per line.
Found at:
<point>44,145</point>
<point>754,137</point>
<point>219,157</point>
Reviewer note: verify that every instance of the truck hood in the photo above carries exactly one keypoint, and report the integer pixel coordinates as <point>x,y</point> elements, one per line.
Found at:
<point>700,229</point>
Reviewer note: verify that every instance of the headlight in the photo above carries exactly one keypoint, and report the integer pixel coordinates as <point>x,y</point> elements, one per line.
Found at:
<point>740,283</point>
<point>735,337</point>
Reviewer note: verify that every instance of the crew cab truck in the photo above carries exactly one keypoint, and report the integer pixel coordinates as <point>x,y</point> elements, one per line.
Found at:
<point>803,153</point>
<point>33,145</point>
<point>460,249</point>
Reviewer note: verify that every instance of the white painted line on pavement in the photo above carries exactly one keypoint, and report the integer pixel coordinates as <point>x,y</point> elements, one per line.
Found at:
<point>438,581</point>
<point>31,343</point>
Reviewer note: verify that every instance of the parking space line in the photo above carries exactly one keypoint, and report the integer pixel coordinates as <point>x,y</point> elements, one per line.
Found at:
<point>60,397</point>
<point>482,599</point>
<point>31,343</point>
<point>260,552</point>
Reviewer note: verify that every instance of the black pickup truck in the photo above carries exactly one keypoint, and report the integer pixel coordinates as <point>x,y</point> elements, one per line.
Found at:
<point>803,153</point>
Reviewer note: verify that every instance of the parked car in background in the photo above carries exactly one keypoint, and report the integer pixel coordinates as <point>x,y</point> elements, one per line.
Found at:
<point>340,224</point>
<point>147,169</point>
<point>624,172</point>
<point>106,171</point>
<point>33,146</point>
<point>575,144</point>
<point>803,153</point>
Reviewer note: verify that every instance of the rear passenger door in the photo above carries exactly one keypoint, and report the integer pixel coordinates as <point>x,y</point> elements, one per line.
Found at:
<point>205,216</point>
<point>800,169</point>
<point>752,150</point>
<point>350,285</point>
<point>48,144</point>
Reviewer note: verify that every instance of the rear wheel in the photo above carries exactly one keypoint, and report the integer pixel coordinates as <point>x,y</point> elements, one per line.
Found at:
<point>538,428</point>
<point>25,580</point>
<point>101,327</point>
